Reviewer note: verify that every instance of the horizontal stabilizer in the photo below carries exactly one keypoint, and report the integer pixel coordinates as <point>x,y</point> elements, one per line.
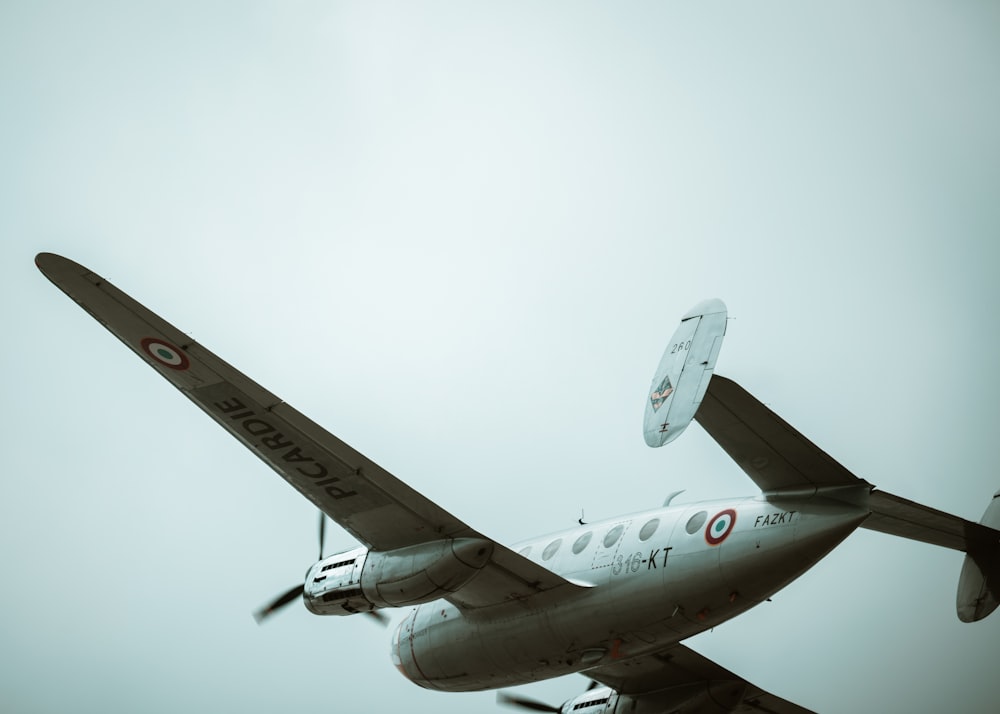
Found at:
<point>771,451</point>
<point>908,519</point>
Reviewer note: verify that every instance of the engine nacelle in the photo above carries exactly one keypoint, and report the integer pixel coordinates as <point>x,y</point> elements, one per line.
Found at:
<point>333,585</point>
<point>360,580</point>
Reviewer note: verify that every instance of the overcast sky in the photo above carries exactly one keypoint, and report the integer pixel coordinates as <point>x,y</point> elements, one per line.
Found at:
<point>458,235</point>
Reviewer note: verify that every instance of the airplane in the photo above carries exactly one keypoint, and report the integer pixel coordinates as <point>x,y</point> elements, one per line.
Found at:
<point>612,600</point>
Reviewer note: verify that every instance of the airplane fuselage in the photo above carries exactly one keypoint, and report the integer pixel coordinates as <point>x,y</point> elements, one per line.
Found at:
<point>655,578</point>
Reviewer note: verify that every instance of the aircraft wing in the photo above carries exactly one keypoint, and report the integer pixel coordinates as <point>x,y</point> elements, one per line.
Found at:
<point>778,458</point>
<point>371,504</point>
<point>680,680</point>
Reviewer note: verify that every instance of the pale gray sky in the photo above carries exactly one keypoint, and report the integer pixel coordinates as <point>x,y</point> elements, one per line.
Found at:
<point>458,235</point>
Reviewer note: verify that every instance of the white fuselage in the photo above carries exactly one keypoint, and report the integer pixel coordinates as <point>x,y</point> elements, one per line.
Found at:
<point>656,578</point>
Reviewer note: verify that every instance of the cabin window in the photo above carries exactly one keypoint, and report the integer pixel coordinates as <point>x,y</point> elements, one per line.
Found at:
<point>551,549</point>
<point>613,535</point>
<point>649,529</point>
<point>526,551</point>
<point>582,542</point>
<point>696,521</point>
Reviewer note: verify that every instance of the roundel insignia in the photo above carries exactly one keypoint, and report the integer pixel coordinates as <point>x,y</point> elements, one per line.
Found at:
<point>721,525</point>
<point>165,353</point>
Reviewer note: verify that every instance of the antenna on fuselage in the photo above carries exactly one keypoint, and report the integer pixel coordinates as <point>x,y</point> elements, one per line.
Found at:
<point>580,519</point>
<point>672,496</point>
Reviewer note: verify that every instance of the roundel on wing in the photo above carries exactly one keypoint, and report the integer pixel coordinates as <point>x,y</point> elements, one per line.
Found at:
<point>720,526</point>
<point>165,353</point>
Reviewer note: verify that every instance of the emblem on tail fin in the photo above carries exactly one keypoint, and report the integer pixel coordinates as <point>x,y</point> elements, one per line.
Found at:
<point>660,394</point>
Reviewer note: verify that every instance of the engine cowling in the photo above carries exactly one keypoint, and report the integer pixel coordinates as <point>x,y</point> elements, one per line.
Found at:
<point>333,585</point>
<point>360,580</point>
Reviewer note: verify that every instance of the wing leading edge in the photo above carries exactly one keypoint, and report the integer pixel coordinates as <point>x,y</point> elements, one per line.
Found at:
<point>680,680</point>
<point>374,506</point>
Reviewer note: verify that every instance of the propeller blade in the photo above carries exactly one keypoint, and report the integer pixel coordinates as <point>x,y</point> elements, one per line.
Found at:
<point>278,603</point>
<point>530,704</point>
<point>322,533</point>
<point>380,617</point>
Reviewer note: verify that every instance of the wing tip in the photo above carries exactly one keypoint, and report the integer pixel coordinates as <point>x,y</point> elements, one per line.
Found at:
<point>44,261</point>
<point>53,266</point>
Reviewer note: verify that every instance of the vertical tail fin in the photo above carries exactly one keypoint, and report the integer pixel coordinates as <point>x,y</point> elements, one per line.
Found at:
<point>979,583</point>
<point>682,376</point>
